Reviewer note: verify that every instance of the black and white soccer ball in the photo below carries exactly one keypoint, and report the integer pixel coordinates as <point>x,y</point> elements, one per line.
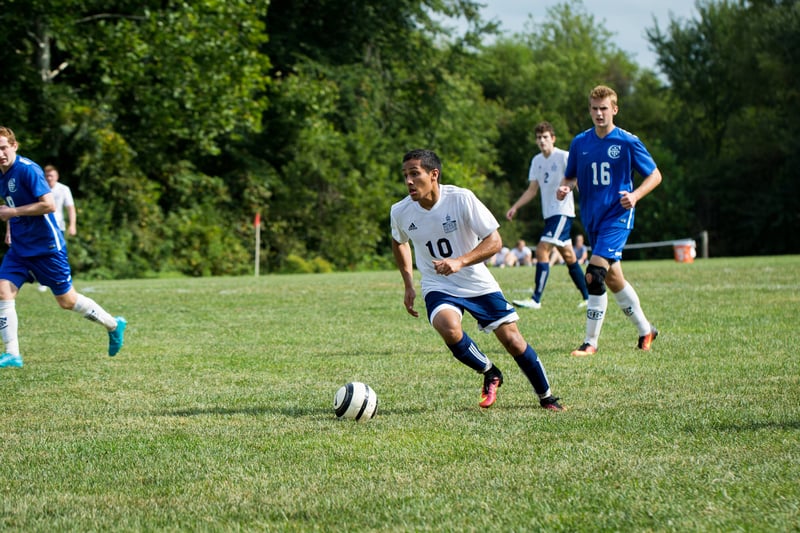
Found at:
<point>356,401</point>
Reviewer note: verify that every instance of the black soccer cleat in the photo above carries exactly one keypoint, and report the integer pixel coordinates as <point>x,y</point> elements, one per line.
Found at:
<point>551,403</point>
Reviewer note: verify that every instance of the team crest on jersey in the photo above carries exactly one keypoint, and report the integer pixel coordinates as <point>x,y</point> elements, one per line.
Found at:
<point>412,227</point>
<point>12,185</point>
<point>614,151</point>
<point>449,225</point>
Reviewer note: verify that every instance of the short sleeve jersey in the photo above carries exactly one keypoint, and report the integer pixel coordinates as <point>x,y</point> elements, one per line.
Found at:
<point>24,184</point>
<point>63,198</point>
<point>548,172</point>
<point>604,168</point>
<point>451,228</point>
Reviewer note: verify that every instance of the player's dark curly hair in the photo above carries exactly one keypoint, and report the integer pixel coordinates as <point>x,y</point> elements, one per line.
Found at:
<point>427,159</point>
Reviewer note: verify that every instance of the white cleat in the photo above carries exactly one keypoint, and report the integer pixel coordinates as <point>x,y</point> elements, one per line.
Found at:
<point>528,304</point>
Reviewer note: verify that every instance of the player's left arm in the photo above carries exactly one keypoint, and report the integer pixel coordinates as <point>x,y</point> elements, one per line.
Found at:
<point>46,204</point>
<point>485,249</point>
<point>72,216</point>
<point>630,199</point>
<point>567,186</point>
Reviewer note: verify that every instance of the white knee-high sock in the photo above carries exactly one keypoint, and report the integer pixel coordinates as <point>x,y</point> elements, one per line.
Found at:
<point>92,311</point>
<point>595,314</point>
<point>9,326</point>
<point>628,301</point>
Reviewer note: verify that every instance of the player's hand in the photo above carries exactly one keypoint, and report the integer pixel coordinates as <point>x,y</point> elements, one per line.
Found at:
<point>6,213</point>
<point>408,302</point>
<point>445,267</point>
<point>510,213</point>
<point>562,192</point>
<point>627,199</point>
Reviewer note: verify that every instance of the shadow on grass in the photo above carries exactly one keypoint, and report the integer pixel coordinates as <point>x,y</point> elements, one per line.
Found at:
<point>254,411</point>
<point>291,412</point>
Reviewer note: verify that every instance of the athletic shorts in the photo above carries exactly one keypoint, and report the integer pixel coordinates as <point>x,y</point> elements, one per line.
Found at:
<point>610,243</point>
<point>557,230</point>
<point>49,270</point>
<point>490,310</point>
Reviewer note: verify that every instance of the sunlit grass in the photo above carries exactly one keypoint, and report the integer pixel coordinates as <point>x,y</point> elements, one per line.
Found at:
<point>217,414</point>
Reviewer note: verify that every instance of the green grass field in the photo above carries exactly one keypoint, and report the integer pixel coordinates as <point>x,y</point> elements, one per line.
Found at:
<point>217,414</point>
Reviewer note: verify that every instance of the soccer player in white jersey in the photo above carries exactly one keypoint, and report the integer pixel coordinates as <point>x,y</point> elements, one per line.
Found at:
<point>601,164</point>
<point>453,234</point>
<point>62,195</point>
<point>546,173</point>
<point>37,250</point>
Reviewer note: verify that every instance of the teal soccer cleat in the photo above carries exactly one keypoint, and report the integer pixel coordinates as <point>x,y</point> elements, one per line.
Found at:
<point>116,338</point>
<point>10,360</point>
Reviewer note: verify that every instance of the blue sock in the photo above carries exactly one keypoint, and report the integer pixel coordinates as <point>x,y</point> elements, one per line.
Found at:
<point>468,353</point>
<point>532,367</point>
<point>576,273</point>
<point>542,272</point>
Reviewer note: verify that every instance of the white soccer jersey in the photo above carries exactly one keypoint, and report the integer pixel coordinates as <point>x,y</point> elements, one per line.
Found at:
<point>451,228</point>
<point>549,171</point>
<point>63,198</point>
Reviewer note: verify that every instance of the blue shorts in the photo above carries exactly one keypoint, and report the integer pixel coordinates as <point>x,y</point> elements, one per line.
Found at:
<point>50,270</point>
<point>609,243</point>
<point>490,310</point>
<point>557,230</point>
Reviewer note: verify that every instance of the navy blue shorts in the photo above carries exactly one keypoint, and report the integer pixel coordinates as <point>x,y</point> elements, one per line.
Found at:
<point>490,310</point>
<point>557,230</point>
<point>49,270</point>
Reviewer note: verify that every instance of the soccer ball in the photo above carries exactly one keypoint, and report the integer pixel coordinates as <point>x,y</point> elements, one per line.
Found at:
<point>356,401</point>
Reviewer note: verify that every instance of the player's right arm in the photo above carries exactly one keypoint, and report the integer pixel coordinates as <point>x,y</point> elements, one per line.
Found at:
<point>43,206</point>
<point>402,257</point>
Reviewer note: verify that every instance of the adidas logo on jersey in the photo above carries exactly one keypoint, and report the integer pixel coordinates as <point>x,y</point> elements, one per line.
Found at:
<point>412,227</point>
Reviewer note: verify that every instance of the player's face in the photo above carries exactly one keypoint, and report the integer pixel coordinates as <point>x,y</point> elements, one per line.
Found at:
<point>52,177</point>
<point>602,111</point>
<point>545,142</point>
<point>8,152</point>
<point>421,183</point>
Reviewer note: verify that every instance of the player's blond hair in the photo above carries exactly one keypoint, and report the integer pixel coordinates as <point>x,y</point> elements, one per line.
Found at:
<point>8,134</point>
<point>600,92</point>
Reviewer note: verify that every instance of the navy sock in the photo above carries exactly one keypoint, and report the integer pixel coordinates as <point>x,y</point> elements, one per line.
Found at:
<point>576,273</point>
<point>532,367</point>
<point>542,272</point>
<point>468,353</point>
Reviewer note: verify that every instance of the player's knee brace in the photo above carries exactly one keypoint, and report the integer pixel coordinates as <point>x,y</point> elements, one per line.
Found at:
<point>596,279</point>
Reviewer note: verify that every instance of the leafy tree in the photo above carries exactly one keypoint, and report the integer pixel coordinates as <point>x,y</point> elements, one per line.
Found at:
<point>542,74</point>
<point>117,94</point>
<point>731,73</point>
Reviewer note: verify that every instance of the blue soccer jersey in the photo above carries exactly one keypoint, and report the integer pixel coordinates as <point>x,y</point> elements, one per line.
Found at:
<point>23,184</point>
<point>604,168</point>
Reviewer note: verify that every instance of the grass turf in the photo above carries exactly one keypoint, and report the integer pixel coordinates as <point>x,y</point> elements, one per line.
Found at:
<point>217,414</point>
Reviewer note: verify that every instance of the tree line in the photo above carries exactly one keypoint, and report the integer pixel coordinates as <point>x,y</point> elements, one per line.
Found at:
<point>175,122</point>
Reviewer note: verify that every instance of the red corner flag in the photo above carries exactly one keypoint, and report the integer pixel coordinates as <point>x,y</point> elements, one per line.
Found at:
<point>257,221</point>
